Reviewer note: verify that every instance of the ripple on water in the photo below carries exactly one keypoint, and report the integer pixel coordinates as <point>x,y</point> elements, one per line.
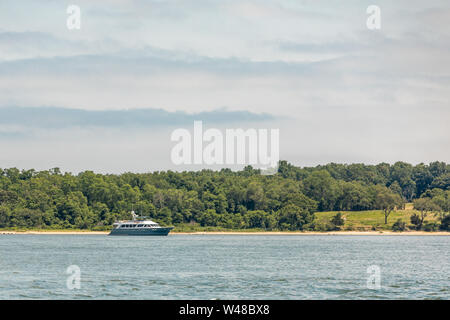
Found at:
<point>231,267</point>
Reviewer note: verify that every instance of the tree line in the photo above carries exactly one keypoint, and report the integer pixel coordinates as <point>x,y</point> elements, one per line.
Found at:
<point>242,199</point>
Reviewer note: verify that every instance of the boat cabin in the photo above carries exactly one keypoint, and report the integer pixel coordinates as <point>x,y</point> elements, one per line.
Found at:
<point>135,224</point>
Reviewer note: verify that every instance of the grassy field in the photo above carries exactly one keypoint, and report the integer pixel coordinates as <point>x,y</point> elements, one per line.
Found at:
<point>372,219</point>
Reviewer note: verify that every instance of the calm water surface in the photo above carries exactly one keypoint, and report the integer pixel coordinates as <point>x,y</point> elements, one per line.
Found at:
<point>224,267</point>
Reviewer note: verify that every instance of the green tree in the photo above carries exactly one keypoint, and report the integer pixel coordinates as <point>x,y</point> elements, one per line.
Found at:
<point>164,216</point>
<point>292,218</point>
<point>321,187</point>
<point>424,206</point>
<point>445,223</point>
<point>337,221</point>
<point>387,201</point>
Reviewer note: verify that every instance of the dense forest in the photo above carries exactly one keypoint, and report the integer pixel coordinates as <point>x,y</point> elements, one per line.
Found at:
<point>243,199</point>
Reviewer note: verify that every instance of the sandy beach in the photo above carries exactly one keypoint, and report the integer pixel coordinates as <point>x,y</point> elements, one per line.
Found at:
<point>331,233</point>
<point>266,233</point>
<point>54,232</point>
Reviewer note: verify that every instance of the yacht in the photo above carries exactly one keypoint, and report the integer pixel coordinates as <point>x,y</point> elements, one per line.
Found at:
<point>139,226</point>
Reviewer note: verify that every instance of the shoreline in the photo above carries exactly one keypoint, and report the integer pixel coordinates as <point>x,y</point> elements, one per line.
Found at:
<point>315,233</point>
<point>256,233</point>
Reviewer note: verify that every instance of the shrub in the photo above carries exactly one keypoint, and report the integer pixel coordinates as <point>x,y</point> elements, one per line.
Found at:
<point>415,220</point>
<point>322,227</point>
<point>431,226</point>
<point>332,227</point>
<point>445,223</point>
<point>350,227</point>
<point>317,226</point>
<point>399,225</point>
<point>337,221</point>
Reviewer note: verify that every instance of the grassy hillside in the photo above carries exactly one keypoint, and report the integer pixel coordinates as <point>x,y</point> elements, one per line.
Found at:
<point>370,219</point>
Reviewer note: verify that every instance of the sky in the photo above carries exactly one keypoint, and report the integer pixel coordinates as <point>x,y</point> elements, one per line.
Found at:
<point>108,96</point>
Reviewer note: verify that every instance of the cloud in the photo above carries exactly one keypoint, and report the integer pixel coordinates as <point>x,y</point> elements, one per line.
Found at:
<point>350,94</point>
<point>12,119</point>
<point>16,46</point>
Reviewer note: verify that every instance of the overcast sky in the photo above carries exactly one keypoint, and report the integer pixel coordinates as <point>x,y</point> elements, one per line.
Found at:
<point>337,91</point>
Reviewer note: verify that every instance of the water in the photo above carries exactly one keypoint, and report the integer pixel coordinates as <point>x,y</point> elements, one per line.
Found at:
<point>224,267</point>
